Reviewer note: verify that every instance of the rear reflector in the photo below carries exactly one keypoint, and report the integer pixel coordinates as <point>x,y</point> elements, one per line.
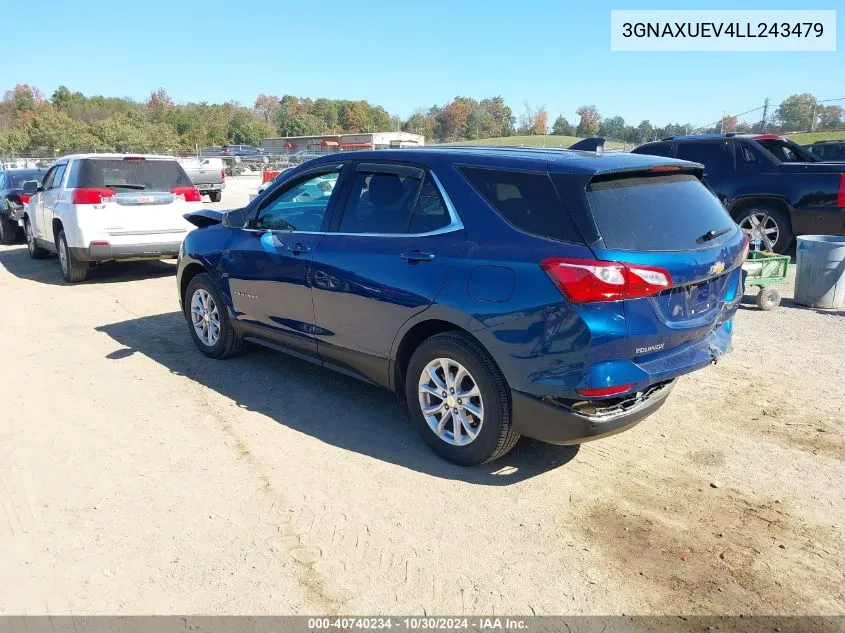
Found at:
<point>91,195</point>
<point>840,200</point>
<point>604,391</point>
<point>191,194</point>
<point>23,198</point>
<point>98,244</point>
<point>222,174</point>
<point>587,280</point>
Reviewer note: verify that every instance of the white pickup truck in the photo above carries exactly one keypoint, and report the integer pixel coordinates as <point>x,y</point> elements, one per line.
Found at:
<point>208,175</point>
<point>93,208</point>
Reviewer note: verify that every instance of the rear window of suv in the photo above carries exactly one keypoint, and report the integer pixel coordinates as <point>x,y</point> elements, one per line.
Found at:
<point>527,200</point>
<point>128,174</point>
<point>656,213</point>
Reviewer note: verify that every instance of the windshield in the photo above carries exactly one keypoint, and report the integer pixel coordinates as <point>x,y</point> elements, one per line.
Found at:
<point>16,179</point>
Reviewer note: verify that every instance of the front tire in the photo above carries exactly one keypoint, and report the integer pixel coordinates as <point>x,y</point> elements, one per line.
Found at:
<point>73,270</point>
<point>459,400</point>
<point>208,320</point>
<point>35,251</point>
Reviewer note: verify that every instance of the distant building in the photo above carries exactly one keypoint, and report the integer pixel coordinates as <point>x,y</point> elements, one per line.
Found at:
<point>341,142</point>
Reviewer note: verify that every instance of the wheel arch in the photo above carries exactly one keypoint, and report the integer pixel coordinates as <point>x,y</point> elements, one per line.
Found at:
<point>412,336</point>
<point>188,273</point>
<point>57,226</point>
<point>741,204</point>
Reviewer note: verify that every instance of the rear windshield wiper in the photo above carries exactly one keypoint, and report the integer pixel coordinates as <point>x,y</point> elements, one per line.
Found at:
<point>128,186</point>
<point>711,235</point>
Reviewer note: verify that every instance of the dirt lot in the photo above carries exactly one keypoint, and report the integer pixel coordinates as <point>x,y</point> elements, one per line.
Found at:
<point>136,476</point>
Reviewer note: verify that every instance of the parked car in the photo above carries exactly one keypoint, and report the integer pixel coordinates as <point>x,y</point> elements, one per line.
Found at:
<point>207,174</point>
<point>241,153</point>
<point>92,208</point>
<point>501,291</point>
<point>828,150</point>
<point>773,188</point>
<point>13,200</point>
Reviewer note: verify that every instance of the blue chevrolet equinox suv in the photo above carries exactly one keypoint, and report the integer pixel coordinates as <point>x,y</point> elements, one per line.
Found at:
<point>499,291</point>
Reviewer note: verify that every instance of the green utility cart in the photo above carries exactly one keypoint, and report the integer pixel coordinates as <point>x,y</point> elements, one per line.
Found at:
<point>766,270</point>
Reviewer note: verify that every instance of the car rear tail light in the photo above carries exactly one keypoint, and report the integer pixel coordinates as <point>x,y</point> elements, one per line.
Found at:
<point>133,158</point>
<point>840,200</point>
<point>98,244</point>
<point>190,194</point>
<point>587,280</point>
<point>23,198</point>
<point>604,391</point>
<point>92,195</point>
<point>222,174</point>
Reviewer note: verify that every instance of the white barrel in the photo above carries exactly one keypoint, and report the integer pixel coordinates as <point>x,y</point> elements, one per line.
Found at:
<point>820,271</point>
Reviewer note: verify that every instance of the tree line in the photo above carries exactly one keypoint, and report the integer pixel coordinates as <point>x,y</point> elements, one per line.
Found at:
<point>31,123</point>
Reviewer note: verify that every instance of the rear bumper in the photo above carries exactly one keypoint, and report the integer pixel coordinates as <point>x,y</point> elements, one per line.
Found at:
<point>217,186</point>
<point>161,250</point>
<point>556,422</point>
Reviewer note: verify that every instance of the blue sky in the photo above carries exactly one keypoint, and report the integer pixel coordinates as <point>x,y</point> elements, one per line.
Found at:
<point>403,55</point>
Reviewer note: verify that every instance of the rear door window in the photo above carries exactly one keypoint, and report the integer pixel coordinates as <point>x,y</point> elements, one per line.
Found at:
<point>130,174</point>
<point>527,200</point>
<point>713,155</point>
<point>380,203</point>
<point>657,213</point>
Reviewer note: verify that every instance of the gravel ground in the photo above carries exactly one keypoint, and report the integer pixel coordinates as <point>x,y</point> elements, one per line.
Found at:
<point>137,476</point>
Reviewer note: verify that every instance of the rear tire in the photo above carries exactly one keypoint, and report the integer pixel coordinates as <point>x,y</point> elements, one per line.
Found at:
<point>494,435</point>
<point>9,233</point>
<point>214,196</point>
<point>73,270</point>
<point>35,251</point>
<point>202,298</point>
<point>777,219</point>
<point>768,298</point>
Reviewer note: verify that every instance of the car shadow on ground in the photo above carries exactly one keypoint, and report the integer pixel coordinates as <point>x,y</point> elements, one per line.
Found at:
<point>17,261</point>
<point>331,407</point>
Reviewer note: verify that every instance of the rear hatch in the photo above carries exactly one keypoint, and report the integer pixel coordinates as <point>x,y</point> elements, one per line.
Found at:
<point>669,224</point>
<point>135,199</point>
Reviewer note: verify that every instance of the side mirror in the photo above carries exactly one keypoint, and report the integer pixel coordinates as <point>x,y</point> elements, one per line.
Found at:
<point>31,187</point>
<point>235,219</point>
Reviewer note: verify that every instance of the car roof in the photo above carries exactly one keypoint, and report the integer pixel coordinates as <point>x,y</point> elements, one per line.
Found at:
<point>104,155</point>
<point>563,160</point>
<point>16,169</point>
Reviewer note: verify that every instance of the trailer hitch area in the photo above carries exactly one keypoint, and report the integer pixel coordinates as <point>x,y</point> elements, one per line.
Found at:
<point>715,353</point>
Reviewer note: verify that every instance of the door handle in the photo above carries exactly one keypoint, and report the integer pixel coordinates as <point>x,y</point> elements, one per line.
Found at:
<point>298,248</point>
<point>414,257</point>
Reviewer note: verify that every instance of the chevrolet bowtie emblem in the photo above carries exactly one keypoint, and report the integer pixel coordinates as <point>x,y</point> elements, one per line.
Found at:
<point>717,268</point>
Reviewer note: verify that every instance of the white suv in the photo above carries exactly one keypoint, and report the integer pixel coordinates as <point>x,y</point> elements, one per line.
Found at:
<point>103,207</point>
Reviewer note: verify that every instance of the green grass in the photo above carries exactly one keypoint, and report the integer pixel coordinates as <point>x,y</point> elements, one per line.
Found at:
<point>805,138</point>
<point>533,141</point>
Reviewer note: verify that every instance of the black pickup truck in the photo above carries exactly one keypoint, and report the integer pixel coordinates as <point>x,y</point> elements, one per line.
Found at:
<point>772,187</point>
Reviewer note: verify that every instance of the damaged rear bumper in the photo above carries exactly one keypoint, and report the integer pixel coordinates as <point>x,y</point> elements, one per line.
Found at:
<point>559,421</point>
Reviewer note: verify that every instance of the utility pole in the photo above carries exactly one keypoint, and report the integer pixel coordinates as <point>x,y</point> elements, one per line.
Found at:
<point>765,113</point>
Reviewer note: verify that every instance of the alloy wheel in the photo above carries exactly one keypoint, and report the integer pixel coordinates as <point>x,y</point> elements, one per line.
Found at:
<point>63,256</point>
<point>205,317</point>
<point>30,239</point>
<point>761,227</point>
<point>451,401</point>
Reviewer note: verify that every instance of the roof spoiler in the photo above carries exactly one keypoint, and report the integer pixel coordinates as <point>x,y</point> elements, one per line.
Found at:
<point>591,144</point>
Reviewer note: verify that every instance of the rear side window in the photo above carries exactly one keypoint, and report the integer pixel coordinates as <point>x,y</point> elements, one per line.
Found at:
<point>656,213</point>
<point>655,149</point>
<point>129,175</point>
<point>527,200</point>
<point>713,155</point>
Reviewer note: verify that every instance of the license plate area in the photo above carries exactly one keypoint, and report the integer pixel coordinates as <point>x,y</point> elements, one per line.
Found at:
<point>693,300</point>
